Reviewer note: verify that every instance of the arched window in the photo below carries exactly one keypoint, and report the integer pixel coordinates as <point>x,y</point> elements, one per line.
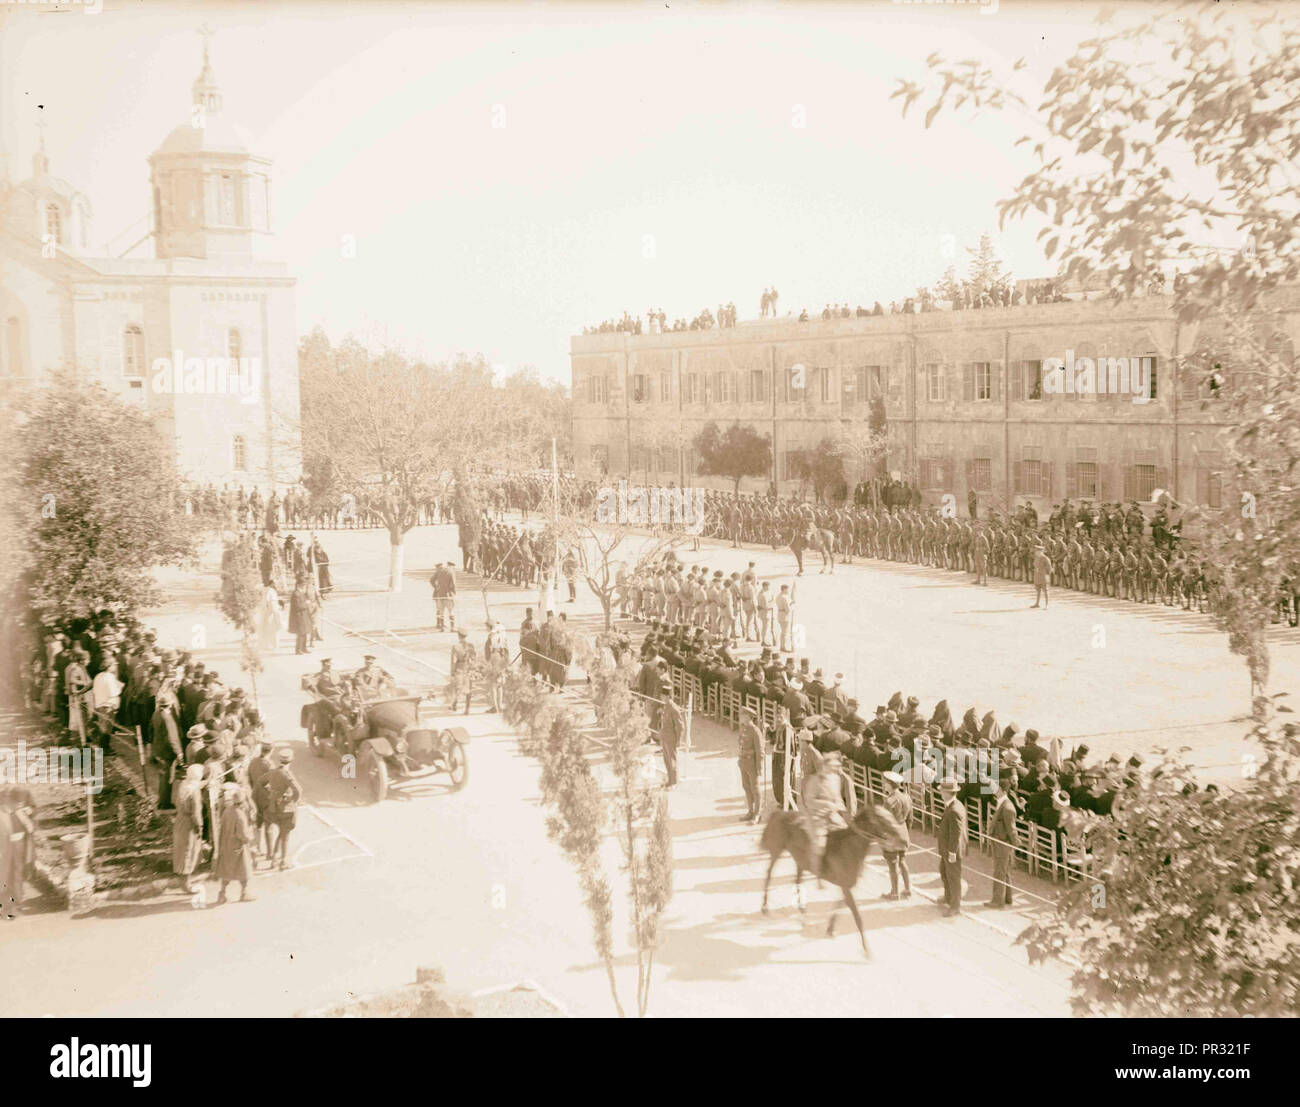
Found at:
<point>238,453</point>
<point>133,352</point>
<point>14,347</point>
<point>54,222</point>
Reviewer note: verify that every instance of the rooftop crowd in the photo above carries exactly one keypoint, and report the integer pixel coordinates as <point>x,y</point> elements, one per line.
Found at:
<point>962,296</point>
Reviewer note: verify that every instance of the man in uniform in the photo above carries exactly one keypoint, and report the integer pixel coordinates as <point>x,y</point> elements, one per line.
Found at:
<point>750,756</point>
<point>1042,568</point>
<point>462,670</point>
<point>370,679</point>
<point>443,583</point>
<point>784,618</point>
<point>981,546</point>
<point>763,607</point>
<point>898,802</point>
<point>822,800</point>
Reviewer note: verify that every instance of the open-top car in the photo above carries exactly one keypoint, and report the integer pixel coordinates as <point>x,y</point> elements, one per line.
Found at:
<point>392,737</point>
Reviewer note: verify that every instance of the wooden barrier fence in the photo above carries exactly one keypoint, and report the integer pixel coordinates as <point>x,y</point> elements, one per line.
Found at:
<point>1042,851</point>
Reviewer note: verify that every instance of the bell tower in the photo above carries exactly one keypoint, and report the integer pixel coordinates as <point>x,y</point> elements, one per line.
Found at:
<point>211,193</point>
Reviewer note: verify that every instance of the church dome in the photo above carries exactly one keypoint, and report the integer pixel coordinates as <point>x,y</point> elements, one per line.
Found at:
<point>217,135</point>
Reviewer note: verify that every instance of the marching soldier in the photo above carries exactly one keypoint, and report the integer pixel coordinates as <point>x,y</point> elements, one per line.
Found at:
<point>462,670</point>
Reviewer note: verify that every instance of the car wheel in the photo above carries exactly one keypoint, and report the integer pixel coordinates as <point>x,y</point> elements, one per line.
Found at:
<point>375,773</point>
<point>457,766</point>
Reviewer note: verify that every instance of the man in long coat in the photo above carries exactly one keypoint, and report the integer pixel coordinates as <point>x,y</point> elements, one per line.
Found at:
<point>167,748</point>
<point>1002,831</point>
<point>672,728</point>
<point>951,845</point>
<point>300,617</point>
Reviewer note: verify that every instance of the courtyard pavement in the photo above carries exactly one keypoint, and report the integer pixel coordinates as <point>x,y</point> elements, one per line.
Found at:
<point>469,882</point>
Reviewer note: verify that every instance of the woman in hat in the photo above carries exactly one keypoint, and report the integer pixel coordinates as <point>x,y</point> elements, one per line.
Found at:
<point>187,830</point>
<point>234,848</point>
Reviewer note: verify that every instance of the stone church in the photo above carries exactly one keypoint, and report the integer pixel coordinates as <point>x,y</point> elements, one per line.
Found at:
<point>202,335</point>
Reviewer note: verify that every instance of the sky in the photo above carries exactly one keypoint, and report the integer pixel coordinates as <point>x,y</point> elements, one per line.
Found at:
<point>509,173</point>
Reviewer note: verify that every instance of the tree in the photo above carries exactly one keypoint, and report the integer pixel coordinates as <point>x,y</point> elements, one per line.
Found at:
<point>822,466</point>
<point>864,445</point>
<point>985,272</point>
<point>1193,904</point>
<point>241,601</point>
<point>1113,143</point>
<point>1187,168</point>
<point>95,500</point>
<point>669,438</point>
<point>949,286</point>
<point>581,813</point>
<point>597,540</point>
<point>738,453</point>
<point>539,411</point>
<point>390,430</point>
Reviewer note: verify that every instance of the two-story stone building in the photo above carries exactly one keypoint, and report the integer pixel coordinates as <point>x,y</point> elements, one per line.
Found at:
<point>965,398</point>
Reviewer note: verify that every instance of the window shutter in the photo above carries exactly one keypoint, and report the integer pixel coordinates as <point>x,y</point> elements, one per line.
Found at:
<point>925,472</point>
<point>1017,477</point>
<point>1202,486</point>
<point>1016,381</point>
<point>1071,480</point>
<point>1130,482</point>
<point>970,473</point>
<point>995,379</point>
<point>1046,467</point>
<point>1162,478</point>
<point>967,382</point>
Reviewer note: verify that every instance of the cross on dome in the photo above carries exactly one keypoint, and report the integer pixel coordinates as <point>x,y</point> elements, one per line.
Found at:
<point>207,96</point>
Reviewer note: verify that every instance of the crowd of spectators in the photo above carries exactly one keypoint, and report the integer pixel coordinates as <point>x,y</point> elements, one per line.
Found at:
<point>231,792</point>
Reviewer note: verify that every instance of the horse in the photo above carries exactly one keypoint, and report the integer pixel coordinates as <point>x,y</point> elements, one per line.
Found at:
<point>823,541</point>
<point>845,854</point>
